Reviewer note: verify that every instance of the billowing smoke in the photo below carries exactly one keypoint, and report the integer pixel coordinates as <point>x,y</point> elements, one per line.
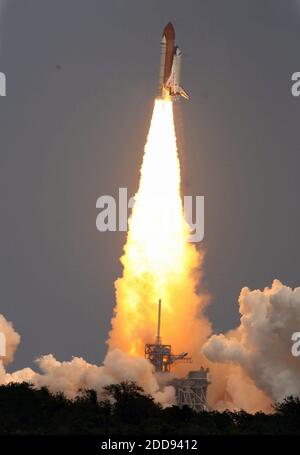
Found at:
<point>254,361</point>
<point>70,377</point>
<point>75,375</point>
<point>10,340</point>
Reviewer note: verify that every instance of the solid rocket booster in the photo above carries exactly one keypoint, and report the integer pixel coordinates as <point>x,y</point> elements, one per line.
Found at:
<point>170,59</point>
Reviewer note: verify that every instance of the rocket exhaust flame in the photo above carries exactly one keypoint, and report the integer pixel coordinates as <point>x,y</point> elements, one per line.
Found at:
<point>158,260</point>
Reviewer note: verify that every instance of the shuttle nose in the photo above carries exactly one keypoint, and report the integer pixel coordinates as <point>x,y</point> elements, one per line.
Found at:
<point>169,31</point>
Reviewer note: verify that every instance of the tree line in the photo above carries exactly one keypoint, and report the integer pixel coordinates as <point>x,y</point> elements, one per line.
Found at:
<point>126,409</point>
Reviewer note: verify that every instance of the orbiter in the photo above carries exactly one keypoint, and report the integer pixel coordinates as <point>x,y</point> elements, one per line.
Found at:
<point>170,61</point>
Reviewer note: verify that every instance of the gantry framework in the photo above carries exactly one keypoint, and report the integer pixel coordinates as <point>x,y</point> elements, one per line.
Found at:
<point>160,355</point>
<point>190,391</point>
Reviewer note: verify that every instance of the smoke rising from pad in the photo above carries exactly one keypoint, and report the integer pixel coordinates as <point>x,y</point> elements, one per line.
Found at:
<point>256,357</point>
<point>70,377</point>
<point>77,374</point>
<point>10,339</point>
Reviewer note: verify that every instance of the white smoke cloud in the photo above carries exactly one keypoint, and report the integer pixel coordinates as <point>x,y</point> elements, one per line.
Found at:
<point>11,339</point>
<point>72,376</point>
<point>258,353</point>
<point>11,342</point>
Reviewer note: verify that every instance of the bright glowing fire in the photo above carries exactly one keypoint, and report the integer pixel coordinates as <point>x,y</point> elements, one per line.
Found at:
<point>158,261</point>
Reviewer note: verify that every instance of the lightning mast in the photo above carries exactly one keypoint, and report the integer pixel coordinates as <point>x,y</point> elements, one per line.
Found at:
<point>158,339</point>
<point>191,390</point>
<point>160,355</point>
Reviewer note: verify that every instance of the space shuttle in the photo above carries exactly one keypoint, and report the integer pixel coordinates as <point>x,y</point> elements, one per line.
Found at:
<point>170,62</point>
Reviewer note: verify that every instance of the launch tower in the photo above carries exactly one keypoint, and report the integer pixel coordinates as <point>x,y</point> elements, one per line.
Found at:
<point>191,390</point>
<point>160,355</point>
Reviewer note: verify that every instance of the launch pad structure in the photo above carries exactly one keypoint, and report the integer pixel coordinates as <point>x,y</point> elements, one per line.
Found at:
<point>160,355</point>
<point>190,391</point>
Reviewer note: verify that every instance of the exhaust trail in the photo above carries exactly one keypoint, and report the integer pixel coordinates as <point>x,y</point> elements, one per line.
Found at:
<point>158,261</point>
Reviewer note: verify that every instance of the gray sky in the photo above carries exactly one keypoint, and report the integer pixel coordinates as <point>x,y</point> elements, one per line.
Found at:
<point>81,78</point>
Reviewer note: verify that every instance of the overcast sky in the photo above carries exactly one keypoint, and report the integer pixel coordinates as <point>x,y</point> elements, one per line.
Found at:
<point>81,79</point>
